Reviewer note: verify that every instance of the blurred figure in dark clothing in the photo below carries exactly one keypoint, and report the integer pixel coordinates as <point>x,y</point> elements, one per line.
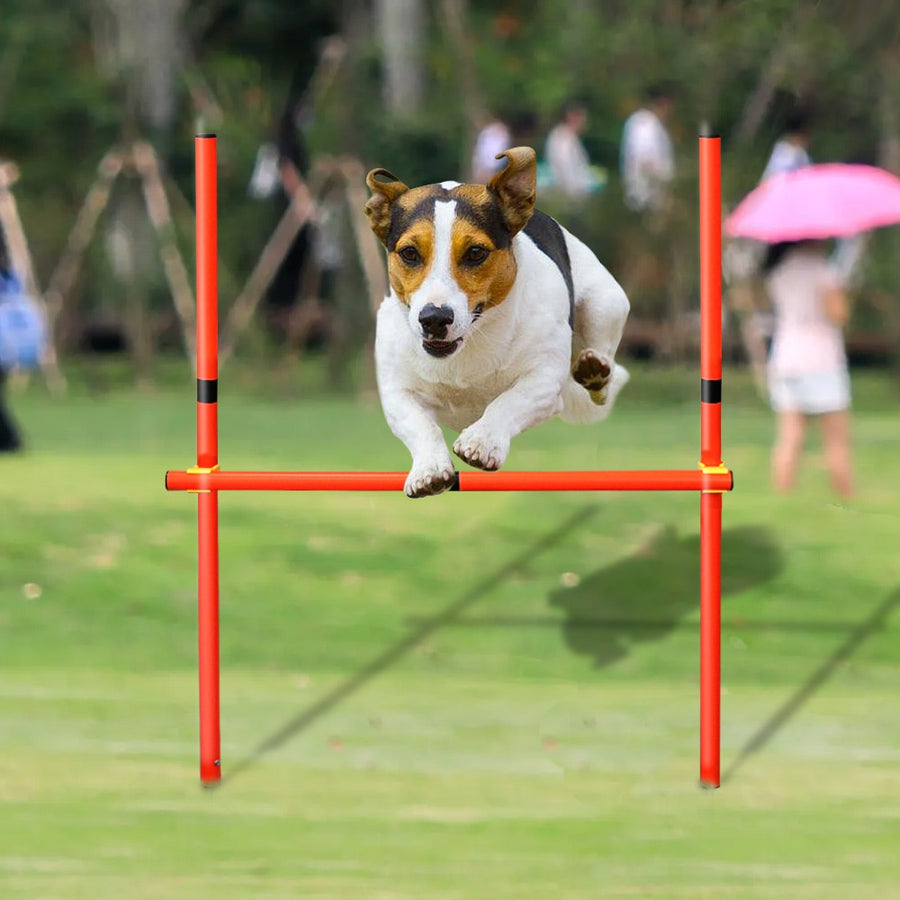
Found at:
<point>10,437</point>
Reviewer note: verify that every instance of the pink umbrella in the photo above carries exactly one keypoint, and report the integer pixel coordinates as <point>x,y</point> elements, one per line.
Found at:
<point>819,201</point>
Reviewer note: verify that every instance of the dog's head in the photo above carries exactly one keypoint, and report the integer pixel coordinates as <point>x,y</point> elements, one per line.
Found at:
<point>449,245</point>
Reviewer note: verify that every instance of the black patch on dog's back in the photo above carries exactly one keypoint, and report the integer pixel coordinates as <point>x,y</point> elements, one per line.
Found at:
<point>548,237</point>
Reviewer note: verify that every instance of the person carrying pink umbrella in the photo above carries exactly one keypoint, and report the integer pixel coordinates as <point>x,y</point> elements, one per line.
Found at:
<point>796,213</point>
<point>807,371</point>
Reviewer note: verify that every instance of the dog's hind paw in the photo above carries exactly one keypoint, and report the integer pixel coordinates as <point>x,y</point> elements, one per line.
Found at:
<point>426,481</point>
<point>483,451</point>
<point>593,372</point>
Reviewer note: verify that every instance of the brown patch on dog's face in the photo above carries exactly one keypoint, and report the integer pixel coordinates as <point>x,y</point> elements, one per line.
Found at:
<point>483,266</point>
<point>411,256</point>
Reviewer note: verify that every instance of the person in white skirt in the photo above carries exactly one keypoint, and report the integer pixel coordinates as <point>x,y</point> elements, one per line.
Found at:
<point>807,367</point>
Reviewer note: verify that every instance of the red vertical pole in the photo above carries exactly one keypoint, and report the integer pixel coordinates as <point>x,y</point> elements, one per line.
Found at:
<point>207,456</point>
<point>710,457</point>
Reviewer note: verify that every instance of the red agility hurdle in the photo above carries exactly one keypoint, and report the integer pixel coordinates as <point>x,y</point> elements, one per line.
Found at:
<point>711,479</point>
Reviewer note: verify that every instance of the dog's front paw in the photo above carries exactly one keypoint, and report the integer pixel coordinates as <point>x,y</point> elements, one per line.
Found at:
<point>430,478</point>
<point>481,449</point>
<point>593,372</point>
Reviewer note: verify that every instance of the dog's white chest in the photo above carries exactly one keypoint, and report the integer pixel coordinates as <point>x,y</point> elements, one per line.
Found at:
<point>528,332</point>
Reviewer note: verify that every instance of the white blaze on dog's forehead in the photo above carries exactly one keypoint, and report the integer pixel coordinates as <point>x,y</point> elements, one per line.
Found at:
<point>449,185</point>
<point>444,217</point>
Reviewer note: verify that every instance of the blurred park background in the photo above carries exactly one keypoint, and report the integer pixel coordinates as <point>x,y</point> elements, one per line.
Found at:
<point>99,103</point>
<point>471,696</point>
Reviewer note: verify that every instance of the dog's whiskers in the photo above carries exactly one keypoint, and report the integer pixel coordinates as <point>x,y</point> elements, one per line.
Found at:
<point>485,343</point>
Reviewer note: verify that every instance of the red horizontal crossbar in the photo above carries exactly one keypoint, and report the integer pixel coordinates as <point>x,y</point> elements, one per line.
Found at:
<point>665,480</point>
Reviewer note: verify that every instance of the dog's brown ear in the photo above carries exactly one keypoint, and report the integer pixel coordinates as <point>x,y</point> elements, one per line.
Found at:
<point>515,186</point>
<point>385,188</point>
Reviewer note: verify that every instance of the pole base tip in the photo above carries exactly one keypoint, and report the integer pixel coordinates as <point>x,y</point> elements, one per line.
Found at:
<point>211,775</point>
<point>707,785</point>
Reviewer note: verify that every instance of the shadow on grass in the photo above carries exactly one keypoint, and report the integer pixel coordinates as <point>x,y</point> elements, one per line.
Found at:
<point>874,623</point>
<point>420,632</point>
<point>638,599</point>
<point>645,596</point>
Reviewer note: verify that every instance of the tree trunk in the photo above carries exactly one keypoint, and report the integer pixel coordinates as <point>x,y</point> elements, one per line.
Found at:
<point>139,43</point>
<point>401,28</point>
<point>454,15</point>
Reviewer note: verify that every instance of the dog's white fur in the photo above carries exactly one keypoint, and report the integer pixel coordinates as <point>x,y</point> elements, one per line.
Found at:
<point>513,368</point>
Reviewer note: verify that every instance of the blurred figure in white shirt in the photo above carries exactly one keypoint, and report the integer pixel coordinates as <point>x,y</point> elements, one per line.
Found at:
<point>647,158</point>
<point>493,138</point>
<point>513,129</point>
<point>791,149</point>
<point>654,269</point>
<point>567,160</point>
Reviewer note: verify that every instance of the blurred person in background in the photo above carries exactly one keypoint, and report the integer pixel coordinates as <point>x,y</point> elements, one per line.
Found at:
<point>568,164</point>
<point>807,368</point>
<point>654,270</point>
<point>791,150</point>
<point>647,158</point>
<point>10,437</point>
<point>515,129</point>
<point>301,295</point>
<point>494,137</point>
<point>288,166</point>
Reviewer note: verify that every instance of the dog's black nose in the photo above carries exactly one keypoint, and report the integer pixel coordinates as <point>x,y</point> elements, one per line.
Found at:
<point>435,319</point>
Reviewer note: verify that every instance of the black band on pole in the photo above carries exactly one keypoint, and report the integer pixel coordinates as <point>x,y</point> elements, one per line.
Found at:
<point>455,485</point>
<point>710,390</point>
<point>207,390</point>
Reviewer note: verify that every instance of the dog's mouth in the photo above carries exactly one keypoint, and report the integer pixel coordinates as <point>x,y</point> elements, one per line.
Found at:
<point>440,349</point>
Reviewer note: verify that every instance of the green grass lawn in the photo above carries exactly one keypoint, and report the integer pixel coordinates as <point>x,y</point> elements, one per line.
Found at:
<point>470,696</point>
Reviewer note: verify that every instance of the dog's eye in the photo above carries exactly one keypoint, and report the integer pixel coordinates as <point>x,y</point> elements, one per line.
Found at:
<point>475,255</point>
<point>410,255</point>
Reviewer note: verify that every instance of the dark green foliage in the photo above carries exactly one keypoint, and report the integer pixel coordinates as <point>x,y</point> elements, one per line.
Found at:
<point>734,64</point>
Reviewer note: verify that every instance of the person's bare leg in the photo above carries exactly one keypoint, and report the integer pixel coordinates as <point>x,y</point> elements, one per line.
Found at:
<point>836,440</point>
<point>789,438</point>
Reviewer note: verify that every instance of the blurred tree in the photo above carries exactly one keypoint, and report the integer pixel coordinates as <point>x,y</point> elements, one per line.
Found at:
<point>401,31</point>
<point>140,46</point>
<point>57,112</point>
